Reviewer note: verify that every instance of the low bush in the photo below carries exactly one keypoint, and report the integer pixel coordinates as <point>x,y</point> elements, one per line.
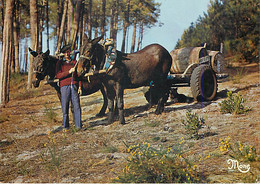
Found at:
<point>149,165</point>
<point>193,123</point>
<point>239,151</point>
<point>51,156</point>
<point>234,104</point>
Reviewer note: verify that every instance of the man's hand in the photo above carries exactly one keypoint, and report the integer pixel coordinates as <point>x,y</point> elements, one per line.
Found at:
<point>72,70</point>
<point>80,91</point>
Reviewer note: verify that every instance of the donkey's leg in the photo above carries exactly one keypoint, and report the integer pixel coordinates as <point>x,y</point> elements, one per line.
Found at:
<point>104,107</point>
<point>120,102</point>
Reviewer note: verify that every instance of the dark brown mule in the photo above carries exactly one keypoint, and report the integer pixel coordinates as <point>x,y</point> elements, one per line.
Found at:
<point>149,65</point>
<point>45,65</point>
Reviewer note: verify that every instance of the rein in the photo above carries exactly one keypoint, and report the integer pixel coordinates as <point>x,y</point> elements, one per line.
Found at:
<point>90,58</point>
<point>101,71</point>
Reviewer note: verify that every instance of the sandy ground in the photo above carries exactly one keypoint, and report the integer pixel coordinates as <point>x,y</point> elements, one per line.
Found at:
<point>98,153</point>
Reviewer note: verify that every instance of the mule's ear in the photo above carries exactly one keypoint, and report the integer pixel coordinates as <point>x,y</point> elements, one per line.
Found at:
<point>85,38</point>
<point>32,52</point>
<point>47,52</point>
<point>96,40</point>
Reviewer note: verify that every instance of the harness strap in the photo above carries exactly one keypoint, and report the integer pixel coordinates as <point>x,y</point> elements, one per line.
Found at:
<point>85,57</point>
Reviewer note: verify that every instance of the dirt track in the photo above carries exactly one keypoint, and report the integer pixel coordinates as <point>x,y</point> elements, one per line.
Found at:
<point>98,153</point>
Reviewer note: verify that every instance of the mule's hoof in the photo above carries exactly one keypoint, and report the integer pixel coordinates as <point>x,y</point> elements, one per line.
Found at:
<point>158,112</point>
<point>100,115</point>
<point>122,121</point>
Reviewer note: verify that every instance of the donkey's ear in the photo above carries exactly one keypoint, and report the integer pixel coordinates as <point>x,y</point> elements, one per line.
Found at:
<point>96,40</point>
<point>32,52</point>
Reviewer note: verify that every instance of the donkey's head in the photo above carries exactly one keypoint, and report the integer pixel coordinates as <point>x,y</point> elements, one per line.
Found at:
<point>39,66</point>
<point>91,53</point>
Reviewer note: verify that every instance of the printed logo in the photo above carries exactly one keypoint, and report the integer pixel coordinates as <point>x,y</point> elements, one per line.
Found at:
<point>243,168</point>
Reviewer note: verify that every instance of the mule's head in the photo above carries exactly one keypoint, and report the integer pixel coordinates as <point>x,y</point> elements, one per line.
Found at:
<point>39,66</point>
<point>90,54</point>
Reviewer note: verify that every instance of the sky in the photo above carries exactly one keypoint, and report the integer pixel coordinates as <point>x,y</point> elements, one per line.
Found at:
<point>176,15</point>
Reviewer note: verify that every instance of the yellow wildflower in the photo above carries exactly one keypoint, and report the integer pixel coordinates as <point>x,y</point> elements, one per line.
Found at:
<point>182,140</point>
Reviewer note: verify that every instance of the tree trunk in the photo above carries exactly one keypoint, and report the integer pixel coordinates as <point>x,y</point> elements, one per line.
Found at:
<point>116,24</point>
<point>34,38</point>
<point>7,50</point>
<point>16,37</point>
<point>41,20</point>
<point>89,19</point>
<point>2,18</point>
<point>58,21</point>
<point>75,25</point>
<point>12,65</point>
<point>47,22</point>
<point>25,52</point>
<point>133,39</point>
<point>95,23</point>
<point>83,24</point>
<point>140,37</point>
<point>69,21</point>
<point>62,26</point>
<point>124,37</point>
<point>112,19</point>
<point>125,26</point>
<point>103,19</point>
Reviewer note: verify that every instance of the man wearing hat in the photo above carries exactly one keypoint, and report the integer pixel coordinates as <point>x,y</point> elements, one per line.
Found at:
<point>70,87</point>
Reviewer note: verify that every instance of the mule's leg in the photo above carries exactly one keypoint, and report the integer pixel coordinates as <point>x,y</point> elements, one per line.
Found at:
<point>111,98</point>
<point>163,98</point>
<point>104,107</point>
<point>160,106</point>
<point>120,102</point>
<point>116,108</point>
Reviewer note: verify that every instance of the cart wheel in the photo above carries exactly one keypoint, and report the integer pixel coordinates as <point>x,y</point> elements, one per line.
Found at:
<point>203,83</point>
<point>217,63</point>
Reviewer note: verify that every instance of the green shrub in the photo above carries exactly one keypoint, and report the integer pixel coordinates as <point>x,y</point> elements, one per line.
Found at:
<point>234,104</point>
<point>239,151</point>
<point>149,165</point>
<point>51,156</point>
<point>193,123</point>
<point>50,115</point>
<point>243,152</point>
